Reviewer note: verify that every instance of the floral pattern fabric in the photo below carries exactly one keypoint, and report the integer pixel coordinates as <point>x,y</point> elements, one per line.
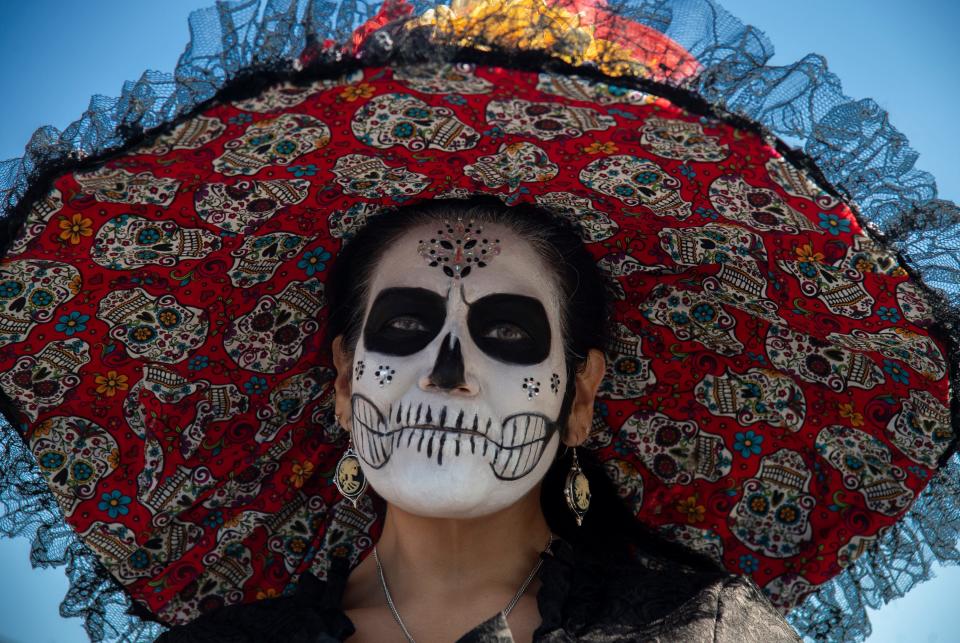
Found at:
<point>774,396</point>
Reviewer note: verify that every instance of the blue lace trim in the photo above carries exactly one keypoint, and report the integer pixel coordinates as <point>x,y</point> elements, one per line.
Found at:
<point>851,141</point>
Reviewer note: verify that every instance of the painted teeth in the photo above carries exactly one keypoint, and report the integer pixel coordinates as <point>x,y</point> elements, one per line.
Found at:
<point>521,442</point>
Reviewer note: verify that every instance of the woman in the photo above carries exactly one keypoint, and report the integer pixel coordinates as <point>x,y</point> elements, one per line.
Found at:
<point>464,523</point>
<point>773,395</point>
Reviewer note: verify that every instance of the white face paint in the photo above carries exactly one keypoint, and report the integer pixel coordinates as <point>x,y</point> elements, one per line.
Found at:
<point>459,373</point>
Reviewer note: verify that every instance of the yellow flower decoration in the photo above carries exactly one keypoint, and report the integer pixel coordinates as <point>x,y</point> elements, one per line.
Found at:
<point>353,92</point>
<point>268,593</point>
<point>607,147</point>
<point>805,253</point>
<point>847,411</point>
<point>691,509</point>
<point>110,383</point>
<point>300,473</point>
<point>75,227</point>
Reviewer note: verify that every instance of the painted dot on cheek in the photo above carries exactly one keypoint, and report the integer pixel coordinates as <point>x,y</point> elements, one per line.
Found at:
<point>555,383</point>
<point>358,371</point>
<point>532,387</point>
<point>384,375</point>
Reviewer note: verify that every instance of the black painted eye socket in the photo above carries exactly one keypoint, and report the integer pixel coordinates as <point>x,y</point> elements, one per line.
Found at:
<point>402,321</point>
<point>510,328</point>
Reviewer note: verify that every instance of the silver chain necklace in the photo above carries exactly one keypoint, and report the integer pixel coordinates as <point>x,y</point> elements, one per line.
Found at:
<point>506,610</point>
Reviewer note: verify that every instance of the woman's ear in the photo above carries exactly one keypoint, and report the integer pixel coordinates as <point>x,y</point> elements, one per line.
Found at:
<point>584,393</point>
<point>342,386</point>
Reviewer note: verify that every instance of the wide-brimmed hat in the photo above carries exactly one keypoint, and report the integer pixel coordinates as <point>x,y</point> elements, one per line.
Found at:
<point>777,392</point>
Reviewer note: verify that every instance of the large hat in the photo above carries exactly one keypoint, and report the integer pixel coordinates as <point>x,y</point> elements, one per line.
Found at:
<point>778,388</point>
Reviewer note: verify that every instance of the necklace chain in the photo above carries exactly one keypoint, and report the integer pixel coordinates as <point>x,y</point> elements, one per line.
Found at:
<point>506,610</point>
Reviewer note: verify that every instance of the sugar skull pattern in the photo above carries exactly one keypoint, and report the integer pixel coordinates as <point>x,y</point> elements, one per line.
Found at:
<point>370,177</point>
<point>758,208</point>
<point>188,135</point>
<point>119,186</point>
<point>402,119</point>
<point>840,290</point>
<point>695,317</point>
<point>636,181</point>
<point>676,451</point>
<point>628,372</point>
<point>756,395</point>
<point>30,291</point>
<point>128,242</point>
<point>593,224</point>
<point>283,96</point>
<point>513,164</point>
<point>676,139</point>
<point>243,206</point>
<point>278,141</point>
<point>445,78</point>
<point>797,183</point>
<point>270,338</point>
<point>36,222</point>
<point>74,455</point>
<point>41,382</point>
<point>159,329</point>
<point>866,466</point>
<point>857,547</point>
<point>772,515</point>
<point>818,360</point>
<point>288,401</point>
<point>915,304</point>
<point>918,352</point>
<point>344,224</point>
<point>258,258</point>
<point>545,121</point>
<point>723,275</point>
<point>738,255</point>
<point>583,89</point>
<point>921,429</point>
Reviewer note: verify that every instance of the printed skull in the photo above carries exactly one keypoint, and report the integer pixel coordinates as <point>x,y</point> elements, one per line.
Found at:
<point>628,372</point>
<point>443,78</point>
<point>758,208</point>
<point>757,395</point>
<point>128,242</point>
<point>817,360</point>
<point>41,383</point>
<point>922,429</point>
<point>244,206</point>
<point>30,291</point>
<point>693,316</point>
<point>676,451</point>
<point>278,141</point>
<point>866,466</point>
<point>119,186</point>
<point>681,140</point>
<point>637,181</point>
<point>255,261</point>
<point>159,329</point>
<point>370,177</point>
<point>513,164</point>
<point>545,121</point>
<point>773,513</point>
<point>401,119</point>
<point>270,338</point>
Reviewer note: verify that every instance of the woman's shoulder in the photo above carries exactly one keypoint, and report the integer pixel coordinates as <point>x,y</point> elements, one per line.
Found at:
<point>620,595</point>
<point>310,614</point>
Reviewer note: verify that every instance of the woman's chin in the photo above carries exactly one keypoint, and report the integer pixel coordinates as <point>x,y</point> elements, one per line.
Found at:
<point>458,486</point>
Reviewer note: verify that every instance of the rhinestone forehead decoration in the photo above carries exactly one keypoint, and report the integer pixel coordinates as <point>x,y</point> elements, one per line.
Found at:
<point>458,247</point>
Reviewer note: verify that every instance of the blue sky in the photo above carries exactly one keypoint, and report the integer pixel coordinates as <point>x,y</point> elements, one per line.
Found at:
<point>55,54</point>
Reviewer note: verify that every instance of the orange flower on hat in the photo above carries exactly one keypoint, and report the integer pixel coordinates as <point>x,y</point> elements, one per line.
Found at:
<point>300,473</point>
<point>110,383</point>
<point>353,92</point>
<point>806,253</point>
<point>691,509</point>
<point>606,147</point>
<point>268,593</point>
<point>75,227</point>
<point>847,412</point>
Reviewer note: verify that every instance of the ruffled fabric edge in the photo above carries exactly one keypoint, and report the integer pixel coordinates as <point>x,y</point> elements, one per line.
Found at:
<point>852,143</point>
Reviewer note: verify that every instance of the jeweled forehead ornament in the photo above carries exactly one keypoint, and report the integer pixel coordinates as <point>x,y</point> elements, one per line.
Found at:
<point>458,247</point>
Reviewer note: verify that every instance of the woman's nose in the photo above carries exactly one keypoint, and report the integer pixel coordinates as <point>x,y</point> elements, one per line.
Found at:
<point>448,371</point>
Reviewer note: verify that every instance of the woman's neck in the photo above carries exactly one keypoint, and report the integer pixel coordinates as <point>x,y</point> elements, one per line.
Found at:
<point>428,555</point>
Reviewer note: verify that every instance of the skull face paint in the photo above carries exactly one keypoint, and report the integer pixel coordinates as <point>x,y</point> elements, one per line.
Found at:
<point>457,433</point>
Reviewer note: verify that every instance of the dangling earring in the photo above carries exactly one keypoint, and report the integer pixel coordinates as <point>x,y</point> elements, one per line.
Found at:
<point>348,476</point>
<point>577,490</point>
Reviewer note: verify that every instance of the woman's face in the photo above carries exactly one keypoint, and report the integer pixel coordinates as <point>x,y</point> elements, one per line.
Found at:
<point>459,373</point>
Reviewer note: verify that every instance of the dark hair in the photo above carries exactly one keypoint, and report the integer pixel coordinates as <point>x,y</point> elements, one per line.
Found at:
<point>609,526</point>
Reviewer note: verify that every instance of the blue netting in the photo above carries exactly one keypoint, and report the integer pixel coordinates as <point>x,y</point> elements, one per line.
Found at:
<point>851,141</point>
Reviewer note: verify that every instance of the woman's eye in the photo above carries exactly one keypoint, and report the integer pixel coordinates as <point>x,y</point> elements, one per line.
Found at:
<point>406,324</point>
<point>505,333</point>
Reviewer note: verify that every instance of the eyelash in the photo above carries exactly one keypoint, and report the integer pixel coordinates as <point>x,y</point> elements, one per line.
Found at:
<point>491,332</point>
<point>413,324</point>
<point>409,323</point>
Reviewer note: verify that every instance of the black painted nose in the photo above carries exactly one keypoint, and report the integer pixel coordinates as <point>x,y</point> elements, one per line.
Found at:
<point>448,369</point>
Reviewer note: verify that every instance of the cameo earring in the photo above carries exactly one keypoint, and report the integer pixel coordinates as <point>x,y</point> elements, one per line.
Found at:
<point>576,490</point>
<point>348,476</point>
